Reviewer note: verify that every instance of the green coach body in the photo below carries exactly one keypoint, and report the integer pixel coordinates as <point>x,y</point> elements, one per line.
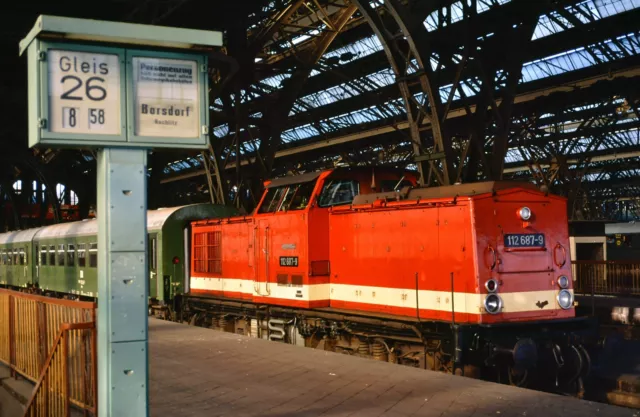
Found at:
<point>63,258</point>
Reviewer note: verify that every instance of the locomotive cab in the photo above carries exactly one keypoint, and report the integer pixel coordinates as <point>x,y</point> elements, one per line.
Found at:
<point>291,230</point>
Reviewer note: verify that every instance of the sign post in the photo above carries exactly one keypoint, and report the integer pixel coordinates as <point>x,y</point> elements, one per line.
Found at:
<point>123,89</point>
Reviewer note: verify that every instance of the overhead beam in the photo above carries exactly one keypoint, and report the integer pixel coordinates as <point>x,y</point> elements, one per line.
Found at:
<point>390,128</point>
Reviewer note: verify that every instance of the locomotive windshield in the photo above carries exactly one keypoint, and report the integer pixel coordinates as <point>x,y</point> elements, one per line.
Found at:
<point>338,192</point>
<point>287,197</point>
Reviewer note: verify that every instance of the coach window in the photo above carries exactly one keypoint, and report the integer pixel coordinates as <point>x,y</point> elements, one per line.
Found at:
<point>61,255</point>
<point>21,257</point>
<point>16,257</point>
<point>43,255</point>
<point>93,255</point>
<point>338,192</point>
<point>153,259</point>
<point>71,255</point>
<point>52,255</point>
<point>3,257</point>
<point>82,255</point>
<point>9,257</point>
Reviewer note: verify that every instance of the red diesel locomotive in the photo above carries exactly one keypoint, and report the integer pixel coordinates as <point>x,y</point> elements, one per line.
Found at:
<point>471,279</point>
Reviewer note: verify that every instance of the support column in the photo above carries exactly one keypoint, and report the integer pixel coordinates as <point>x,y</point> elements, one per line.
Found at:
<point>122,284</point>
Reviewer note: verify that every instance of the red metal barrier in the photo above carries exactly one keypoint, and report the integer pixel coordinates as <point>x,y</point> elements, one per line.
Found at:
<point>52,343</point>
<point>607,277</point>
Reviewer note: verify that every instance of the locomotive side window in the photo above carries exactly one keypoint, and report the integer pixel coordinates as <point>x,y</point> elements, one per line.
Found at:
<point>214,252</point>
<point>297,196</point>
<point>199,255</point>
<point>82,255</point>
<point>272,200</point>
<point>93,255</point>
<point>337,192</point>
<point>71,255</point>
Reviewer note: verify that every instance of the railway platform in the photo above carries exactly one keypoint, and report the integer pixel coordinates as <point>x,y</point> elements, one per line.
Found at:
<point>202,372</point>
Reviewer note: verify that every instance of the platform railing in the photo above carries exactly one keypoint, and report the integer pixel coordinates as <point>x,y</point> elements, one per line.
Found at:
<point>607,277</point>
<point>52,343</point>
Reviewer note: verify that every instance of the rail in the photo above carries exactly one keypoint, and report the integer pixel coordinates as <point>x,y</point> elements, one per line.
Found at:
<point>52,343</point>
<point>607,277</point>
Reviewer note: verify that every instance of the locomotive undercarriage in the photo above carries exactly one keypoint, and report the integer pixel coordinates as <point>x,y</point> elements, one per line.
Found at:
<point>549,356</point>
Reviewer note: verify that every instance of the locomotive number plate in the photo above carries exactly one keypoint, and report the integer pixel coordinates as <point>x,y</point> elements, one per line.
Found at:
<point>535,240</point>
<point>288,261</point>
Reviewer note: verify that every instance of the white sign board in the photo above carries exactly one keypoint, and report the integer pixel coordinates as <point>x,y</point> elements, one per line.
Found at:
<point>167,97</point>
<point>84,92</point>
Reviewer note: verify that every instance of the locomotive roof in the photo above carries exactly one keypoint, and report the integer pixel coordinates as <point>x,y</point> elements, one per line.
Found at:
<point>459,190</point>
<point>294,179</point>
<point>19,236</point>
<point>310,176</point>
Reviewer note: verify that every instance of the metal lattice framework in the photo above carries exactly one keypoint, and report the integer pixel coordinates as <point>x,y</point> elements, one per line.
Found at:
<point>461,91</point>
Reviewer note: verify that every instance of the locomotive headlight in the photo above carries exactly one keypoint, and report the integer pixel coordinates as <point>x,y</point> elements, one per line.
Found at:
<point>565,299</point>
<point>491,285</point>
<point>493,304</point>
<point>525,213</point>
<point>563,281</point>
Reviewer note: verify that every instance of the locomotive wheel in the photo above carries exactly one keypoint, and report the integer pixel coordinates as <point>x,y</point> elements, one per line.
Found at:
<point>518,377</point>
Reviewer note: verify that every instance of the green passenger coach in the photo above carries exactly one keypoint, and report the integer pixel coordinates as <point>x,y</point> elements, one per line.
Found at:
<point>62,259</point>
<point>17,253</point>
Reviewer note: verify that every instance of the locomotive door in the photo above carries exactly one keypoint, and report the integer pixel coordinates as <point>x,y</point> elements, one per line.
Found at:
<point>452,236</point>
<point>262,247</point>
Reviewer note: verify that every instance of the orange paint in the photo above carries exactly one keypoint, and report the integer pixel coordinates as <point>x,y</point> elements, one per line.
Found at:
<point>392,252</point>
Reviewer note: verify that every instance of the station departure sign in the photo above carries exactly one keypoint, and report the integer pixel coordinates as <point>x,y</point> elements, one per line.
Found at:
<point>96,85</point>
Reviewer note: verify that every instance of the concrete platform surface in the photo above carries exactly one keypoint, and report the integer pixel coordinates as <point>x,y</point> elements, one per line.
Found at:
<point>202,372</point>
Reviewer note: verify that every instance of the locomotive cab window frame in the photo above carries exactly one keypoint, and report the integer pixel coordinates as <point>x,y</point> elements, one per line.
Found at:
<point>290,197</point>
<point>338,192</point>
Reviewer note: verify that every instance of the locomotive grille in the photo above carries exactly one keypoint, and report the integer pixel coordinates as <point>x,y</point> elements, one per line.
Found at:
<point>296,280</point>
<point>283,279</point>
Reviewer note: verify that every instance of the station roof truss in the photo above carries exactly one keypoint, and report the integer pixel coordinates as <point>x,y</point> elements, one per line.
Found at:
<point>461,91</point>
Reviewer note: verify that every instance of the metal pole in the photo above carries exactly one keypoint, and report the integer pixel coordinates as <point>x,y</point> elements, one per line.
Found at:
<point>122,287</point>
